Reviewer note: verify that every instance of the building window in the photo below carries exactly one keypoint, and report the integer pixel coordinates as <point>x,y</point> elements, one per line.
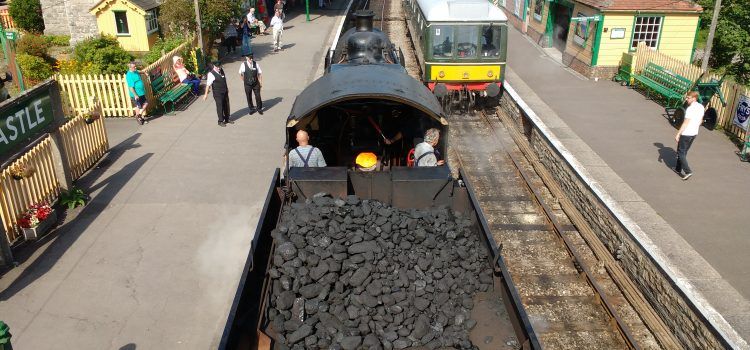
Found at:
<point>582,29</point>
<point>647,30</point>
<point>152,23</point>
<point>538,7</point>
<point>121,22</point>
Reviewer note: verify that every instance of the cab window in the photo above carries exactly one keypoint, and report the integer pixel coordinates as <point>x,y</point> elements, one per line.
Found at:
<point>466,42</point>
<point>442,41</point>
<point>491,41</point>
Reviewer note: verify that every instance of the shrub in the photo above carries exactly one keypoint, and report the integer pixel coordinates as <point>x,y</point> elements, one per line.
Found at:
<point>74,67</point>
<point>104,54</point>
<point>162,45</point>
<point>58,40</point>
<point>34,45</point>
<point>27,14</point>
<point>34,68</point>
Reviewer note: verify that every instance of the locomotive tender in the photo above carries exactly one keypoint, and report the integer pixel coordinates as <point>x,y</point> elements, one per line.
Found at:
<point>347,112</point>
<point>461,46</point>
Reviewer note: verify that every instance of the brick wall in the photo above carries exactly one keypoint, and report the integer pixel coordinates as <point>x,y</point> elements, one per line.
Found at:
<point>669,302</point>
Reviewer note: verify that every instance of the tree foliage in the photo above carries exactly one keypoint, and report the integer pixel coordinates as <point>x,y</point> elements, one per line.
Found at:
<point>177,17</point>
<point>104,54</point>
<point>731,46</point>
<point>27,14</point>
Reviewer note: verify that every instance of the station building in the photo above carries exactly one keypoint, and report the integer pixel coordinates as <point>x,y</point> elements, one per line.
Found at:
<point>593,35</point>
<point>133,22</point>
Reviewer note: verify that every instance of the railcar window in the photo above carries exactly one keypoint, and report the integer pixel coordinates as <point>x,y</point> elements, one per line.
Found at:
<point>442,41</point>
<point>492,41</point>
<point>466,42</point>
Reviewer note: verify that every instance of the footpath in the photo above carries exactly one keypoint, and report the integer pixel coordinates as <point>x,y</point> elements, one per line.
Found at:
<point>153,261</point>
<point>625,143</point>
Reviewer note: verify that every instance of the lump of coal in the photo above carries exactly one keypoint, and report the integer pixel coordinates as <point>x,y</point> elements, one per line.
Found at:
<point>358,274</point>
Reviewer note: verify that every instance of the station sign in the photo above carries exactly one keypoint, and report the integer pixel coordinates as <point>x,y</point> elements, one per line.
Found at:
<point>11,35</point>
<point>594,18</point>
<point>24,118</point>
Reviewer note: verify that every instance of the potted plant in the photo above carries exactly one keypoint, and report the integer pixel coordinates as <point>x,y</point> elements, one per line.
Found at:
<point>37,220</point>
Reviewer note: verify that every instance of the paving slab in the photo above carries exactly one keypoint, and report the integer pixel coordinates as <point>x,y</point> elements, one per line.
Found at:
<point>153,261</point>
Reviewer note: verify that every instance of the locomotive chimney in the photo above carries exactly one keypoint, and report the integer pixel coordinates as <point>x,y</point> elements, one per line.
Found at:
<point>364,20</point>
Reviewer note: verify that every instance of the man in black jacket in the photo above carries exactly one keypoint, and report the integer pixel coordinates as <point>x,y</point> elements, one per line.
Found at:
<point>252,76</point>
<point>217,81</point>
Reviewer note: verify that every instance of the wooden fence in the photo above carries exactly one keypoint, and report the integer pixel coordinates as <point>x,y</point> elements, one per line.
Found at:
<point>6,19</point>
<point>84,144</point>
<point>110,89</point>
<point>18,195</point>
<point>729,89</point>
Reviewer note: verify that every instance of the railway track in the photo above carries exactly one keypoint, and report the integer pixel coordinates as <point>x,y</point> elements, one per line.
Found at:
<point>575,295</point>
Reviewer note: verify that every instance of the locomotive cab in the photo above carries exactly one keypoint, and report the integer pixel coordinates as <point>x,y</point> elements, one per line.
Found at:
<point>375,109</point>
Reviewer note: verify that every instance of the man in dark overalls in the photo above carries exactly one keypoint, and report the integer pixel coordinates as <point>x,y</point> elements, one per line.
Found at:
<point>217,81</point>
<point>252,76</point>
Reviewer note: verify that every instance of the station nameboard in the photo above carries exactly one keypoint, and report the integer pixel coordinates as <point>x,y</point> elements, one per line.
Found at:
<point>23,118</point>
<point>594,18</point>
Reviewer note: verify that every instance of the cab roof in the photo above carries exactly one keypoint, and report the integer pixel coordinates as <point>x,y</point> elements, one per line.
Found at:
<point>461,11</point>
<point>367,81</point>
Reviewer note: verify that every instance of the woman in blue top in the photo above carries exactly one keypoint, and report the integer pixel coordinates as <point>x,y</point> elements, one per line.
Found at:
<point>137,93</point>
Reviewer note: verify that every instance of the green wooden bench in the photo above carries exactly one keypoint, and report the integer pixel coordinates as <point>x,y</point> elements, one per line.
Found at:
<point>168,95</point>
<point>671,86</point>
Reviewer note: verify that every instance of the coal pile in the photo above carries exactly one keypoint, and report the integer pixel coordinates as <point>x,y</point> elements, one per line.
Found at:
<point>358,274</point>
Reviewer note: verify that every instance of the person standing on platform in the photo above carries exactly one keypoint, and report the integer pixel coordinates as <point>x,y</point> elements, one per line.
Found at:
<point>687,133</point>
<point>246,35</point>
<point>217,81</point>
<point>278,27</point>
<point>252,76</point>
<point>137,93</point>
<point>279,6</point>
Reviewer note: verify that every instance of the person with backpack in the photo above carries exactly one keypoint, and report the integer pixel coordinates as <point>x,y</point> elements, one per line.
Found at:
<point>305,155</point>
<point>252,76</point>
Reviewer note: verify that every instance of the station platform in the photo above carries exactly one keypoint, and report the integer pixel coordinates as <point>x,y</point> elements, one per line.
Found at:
<point>153,260</point>
<point>699,226</point>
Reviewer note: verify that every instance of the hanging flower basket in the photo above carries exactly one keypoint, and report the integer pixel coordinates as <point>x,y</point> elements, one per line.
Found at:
<point>18,172</point>
<point>90,119</point>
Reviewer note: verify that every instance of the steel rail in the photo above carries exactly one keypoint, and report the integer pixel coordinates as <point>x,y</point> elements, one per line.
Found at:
<point>620,326</point>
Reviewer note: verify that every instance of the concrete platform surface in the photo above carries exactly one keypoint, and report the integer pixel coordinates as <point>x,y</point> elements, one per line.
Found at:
<point>626,144</point>
<point>153,261</point>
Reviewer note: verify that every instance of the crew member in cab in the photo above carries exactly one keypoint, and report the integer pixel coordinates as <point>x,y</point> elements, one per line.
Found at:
<point>305,155</point>
<point>425,153</point>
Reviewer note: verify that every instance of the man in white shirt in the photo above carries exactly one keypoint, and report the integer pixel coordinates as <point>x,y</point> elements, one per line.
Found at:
<point>252,76</point>
<point>252,21</point>
<point>686,135</point>
<point>277,26</point>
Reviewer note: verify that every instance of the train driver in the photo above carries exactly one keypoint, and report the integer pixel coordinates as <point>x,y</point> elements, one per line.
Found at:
<point>425,153</point>
<point>305,155</point>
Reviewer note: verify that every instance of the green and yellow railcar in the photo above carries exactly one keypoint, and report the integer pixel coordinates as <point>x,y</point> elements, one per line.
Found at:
<point>461,46</point>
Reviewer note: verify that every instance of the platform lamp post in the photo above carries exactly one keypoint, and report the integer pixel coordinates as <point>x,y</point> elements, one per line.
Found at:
<point>711,31</point>
<point>200,31</point>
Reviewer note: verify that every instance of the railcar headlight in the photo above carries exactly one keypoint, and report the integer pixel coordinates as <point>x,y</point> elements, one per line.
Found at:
<point>466,75</point>
<point>489,74</point>
<point>441,74</point>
